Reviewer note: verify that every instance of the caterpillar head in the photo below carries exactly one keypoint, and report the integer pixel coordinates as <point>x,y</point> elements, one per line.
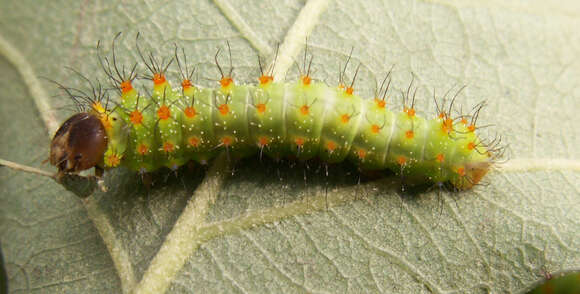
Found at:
<point>79,143</point>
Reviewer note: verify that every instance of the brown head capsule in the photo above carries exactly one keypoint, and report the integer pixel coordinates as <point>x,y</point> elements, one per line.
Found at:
<point>79,143</point>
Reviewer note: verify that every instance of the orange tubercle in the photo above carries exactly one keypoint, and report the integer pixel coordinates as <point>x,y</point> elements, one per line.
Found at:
<point>227,141</point>
<point>440,158</point>
<point>263,141</point>
<point>401,160</point>
<point>264,80</point>
<point>470,146</point>
<point>224,109</point>
<point>158,79</point>
<point>447,125</point>
<point>305,109</point>
<point>193,141</point>
<point>98,107</point>
<point>142,149</point>
<point>375,129</point>
<point>190,112</point>
<point>409,111</point>
<point>380,103</point>
<point>136,117</point>
<point>361,153</point>
<point>106,121</point>
<point>331,146</point>
<point>163,112</point>
<point>168,147</point>
<point>186,84</point>
<point>226,82</point>
<point>349,90</point>
<point>461,172</point>
<point>126,86</point>
<point>345,118</point>
<point>409,134</point>
<point>261,107</point>
<point>306,80</point>
<point>471,128</point>
<point>299,141</point>
<point>113,160</point>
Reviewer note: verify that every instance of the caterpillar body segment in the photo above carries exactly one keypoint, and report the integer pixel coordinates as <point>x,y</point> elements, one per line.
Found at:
<point>197,125</point>
<point>373,137</point>
<point>266,120</point>
<point>341,123</point>
<point>304,117</point>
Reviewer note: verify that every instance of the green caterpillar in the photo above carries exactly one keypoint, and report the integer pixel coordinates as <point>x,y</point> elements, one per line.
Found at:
<point>302,119</point>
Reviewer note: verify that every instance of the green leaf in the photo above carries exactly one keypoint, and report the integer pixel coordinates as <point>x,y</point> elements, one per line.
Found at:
<point>208,230</point>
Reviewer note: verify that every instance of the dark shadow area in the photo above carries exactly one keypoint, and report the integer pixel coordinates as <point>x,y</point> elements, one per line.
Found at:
<point>3,275</point>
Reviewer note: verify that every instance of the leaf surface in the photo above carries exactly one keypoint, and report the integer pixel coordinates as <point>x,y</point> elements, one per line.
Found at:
<point>264,228</point>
